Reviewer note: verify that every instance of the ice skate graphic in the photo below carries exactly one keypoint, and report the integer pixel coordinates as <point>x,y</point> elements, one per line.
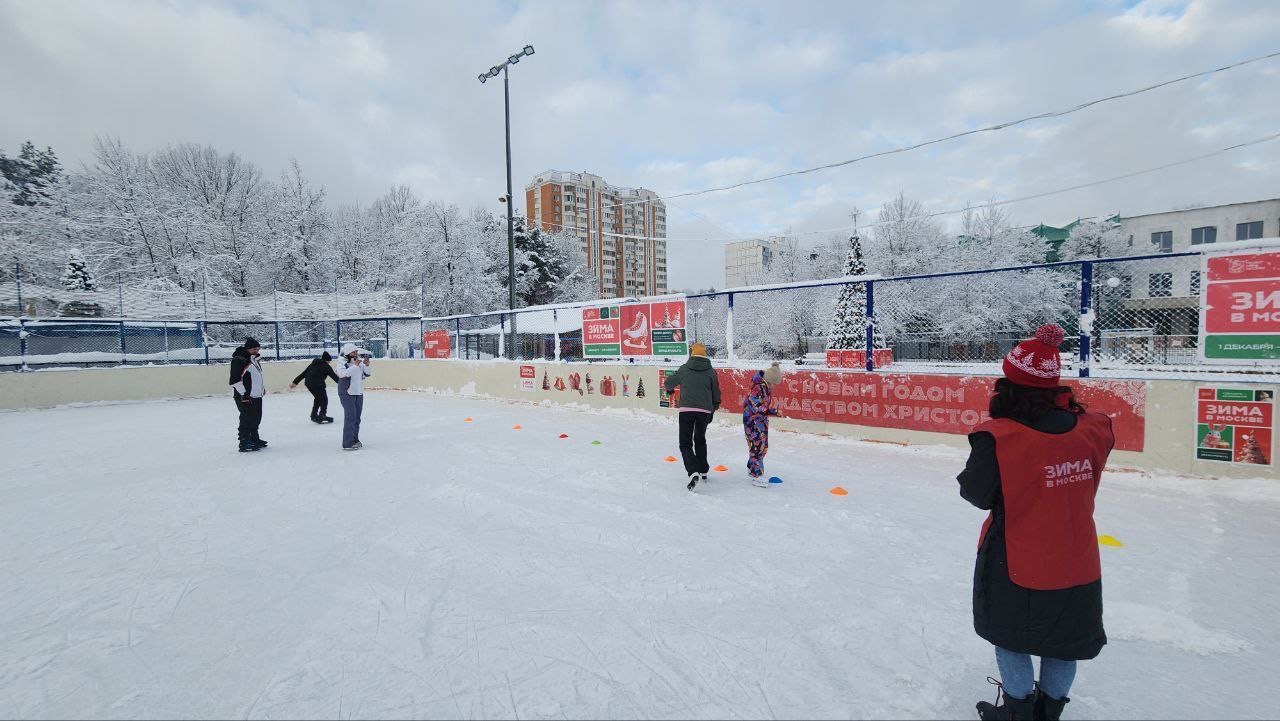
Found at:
<point>636,336</point>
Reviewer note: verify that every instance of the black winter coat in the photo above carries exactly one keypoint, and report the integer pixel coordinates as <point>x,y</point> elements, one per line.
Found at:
<point>239,359</point>
<point>1064,624</point>
<point>313,375</point>
<point>698,384</point>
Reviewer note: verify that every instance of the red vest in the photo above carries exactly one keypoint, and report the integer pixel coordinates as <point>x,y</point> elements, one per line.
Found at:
<point>1048,481</point>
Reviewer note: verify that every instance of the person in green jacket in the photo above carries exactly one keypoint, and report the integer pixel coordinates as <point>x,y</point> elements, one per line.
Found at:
<point>698,399</point>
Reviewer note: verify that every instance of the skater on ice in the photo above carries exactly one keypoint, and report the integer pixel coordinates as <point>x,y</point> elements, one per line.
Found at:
<point>313,378</point>
<point>247,388</point>
<point>355,368</point>
<point>698,402</point>
<point>756,409</point>
<point>1037,582</point>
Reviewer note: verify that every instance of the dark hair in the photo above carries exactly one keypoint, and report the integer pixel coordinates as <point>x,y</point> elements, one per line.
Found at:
<point>326,357</point>
<point>1025,403</point>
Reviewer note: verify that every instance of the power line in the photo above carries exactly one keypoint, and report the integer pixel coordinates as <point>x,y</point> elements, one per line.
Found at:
<point>956,211</point>
<point>966,133</point>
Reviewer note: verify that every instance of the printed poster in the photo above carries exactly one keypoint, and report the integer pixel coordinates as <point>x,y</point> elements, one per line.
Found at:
<point>1235,425</point>
<point>600,333</point>
<point>636,339</point>
<point>1240,307</point>
<point>528,378</point>
<point>666,400</point>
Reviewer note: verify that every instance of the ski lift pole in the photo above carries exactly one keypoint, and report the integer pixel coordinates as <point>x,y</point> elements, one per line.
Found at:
<point>871,325</point>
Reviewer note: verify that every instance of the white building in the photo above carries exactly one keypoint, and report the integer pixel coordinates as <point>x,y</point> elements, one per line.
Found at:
<point>745,260</point>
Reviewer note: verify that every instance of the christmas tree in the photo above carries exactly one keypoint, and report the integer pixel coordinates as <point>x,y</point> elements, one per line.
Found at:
<point>640,389</point>
<point>76,277</point>
<point>1251,452</point>
<point>545,385</point>
<point>849,331</point>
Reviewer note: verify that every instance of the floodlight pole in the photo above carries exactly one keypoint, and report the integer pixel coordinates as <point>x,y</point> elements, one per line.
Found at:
<point>508,199</point>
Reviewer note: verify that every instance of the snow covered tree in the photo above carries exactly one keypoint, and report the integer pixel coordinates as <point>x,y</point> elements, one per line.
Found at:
<point>31,173</point>
<point>77,275</point>
<point>1095,239</point>
<point>77,278</point>
<point>849,327</point>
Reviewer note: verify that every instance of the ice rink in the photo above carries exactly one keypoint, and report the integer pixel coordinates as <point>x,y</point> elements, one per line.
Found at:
<point>470,570</point>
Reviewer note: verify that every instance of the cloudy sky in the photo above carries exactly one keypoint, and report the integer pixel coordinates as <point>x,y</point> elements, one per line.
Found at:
<point>671,96</point>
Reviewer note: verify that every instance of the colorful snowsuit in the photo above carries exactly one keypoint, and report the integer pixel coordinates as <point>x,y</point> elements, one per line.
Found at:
<point>756,409</point>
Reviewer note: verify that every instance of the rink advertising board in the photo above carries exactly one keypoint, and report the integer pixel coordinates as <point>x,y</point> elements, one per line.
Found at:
<point>635,330</point>
<point>665,399</point>
<point>528,378</point>
<point>435,344</point>
<point>600,336</point>
<point>935,403</point>
<point>1235,424</point>
<point>1240,307</point>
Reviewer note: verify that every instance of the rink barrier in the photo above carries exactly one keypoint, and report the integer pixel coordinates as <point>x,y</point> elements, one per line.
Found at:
<point>1166,440</point>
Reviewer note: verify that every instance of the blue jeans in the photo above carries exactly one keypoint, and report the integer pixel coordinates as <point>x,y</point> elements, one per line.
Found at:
<point>351,408</point>
<point>1017,673</point>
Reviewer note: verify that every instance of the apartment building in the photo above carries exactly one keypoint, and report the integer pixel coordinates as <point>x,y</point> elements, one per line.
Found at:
<point>745,260</point>
<point>622,230</point>
<point>1165,296</point>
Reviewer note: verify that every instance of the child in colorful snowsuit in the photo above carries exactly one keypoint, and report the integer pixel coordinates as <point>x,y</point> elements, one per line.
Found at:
<point>756,409</point>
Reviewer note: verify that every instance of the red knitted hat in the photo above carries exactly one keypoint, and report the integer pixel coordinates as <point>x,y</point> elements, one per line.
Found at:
<point>1036,362</point>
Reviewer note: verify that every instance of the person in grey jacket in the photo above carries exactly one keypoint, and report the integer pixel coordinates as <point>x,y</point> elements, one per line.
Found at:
<point>355,368</point>
<point>696,393</point>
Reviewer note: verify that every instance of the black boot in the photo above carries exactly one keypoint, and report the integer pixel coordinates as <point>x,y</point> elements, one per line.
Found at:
<point>326,419</point>
<point>247,446</point>
<point>1049,708</point>
<point>1013,709</point>
<point>258,441</point>
<point>317,419</point>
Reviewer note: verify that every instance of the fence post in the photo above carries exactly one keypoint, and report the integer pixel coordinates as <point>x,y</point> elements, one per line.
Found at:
<point>124,360</point>
<point>165,325</point>
<point>22,342</point>
<point>201,327</point>
<point>204,292</point>
<point>387,332</point>
<point>339,338</point>
<point>275,303</point>
<point>457,337</point>
<point>1086,316</point>
<point>17,274</point>
<point>120,300</point>
<point>502,336</point>
<point>728,328</point>
<point>555,328</point>
<point>871,325</point>
<point>277,337</point>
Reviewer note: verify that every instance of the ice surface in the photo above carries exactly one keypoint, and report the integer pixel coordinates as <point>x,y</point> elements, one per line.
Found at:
<point>468,570</point>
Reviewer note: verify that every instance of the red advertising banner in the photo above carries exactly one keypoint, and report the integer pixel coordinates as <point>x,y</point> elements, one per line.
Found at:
<point>435,344</point>
<point>936,403</point>
<point>635,327</point>
<point>858,358</point>
<point>1244,266</point>
<point>1250,306</point>
<point>597,330</point>
<point>528,378</point>
<point>668,314</point>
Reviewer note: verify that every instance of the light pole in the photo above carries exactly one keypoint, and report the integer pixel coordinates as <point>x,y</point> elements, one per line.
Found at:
<point>511,235</point>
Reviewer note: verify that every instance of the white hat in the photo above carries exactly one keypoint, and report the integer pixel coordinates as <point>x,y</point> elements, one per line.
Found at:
<point>349,348</point>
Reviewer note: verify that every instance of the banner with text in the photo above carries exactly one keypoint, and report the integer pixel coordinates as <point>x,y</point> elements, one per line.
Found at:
<point>1240,307</point>
<point>635,329</point>
<point>935,403</point>
<point>1235,424</point>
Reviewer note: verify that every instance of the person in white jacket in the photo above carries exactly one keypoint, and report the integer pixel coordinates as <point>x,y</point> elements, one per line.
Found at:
<point>355,368</point>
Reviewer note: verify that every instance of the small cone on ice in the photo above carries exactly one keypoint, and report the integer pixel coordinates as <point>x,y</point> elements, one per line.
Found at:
<point>775,479</point>
<point>564,435</point>
<point>670,459</point>
<point>466,420</point>
<point>595,443</point>
<point>1112,541</point>
<point>721,468</point>
<point>516,427</point>
<point>839,491</point>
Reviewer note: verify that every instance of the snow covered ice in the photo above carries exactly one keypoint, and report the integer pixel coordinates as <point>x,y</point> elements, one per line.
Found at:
<point>465,570</point>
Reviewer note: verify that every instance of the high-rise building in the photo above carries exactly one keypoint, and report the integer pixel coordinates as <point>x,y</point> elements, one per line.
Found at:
<point>746,260</point>
<point>622,230</point>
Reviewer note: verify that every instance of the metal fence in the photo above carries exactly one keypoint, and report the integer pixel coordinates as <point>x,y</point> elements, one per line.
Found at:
<point>1128,317</point>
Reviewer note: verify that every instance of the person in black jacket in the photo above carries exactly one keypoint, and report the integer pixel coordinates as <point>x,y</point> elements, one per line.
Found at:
<point>313,378</point>
<point>248,388</point>
<point>698,401</point>
<point>1037,581</point>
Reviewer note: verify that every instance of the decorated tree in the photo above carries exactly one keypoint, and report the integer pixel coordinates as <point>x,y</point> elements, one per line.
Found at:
<point>77,277</point>
<point>849,329</point>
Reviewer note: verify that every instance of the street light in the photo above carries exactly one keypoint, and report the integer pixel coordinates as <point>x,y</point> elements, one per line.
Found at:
<point>511,236</point>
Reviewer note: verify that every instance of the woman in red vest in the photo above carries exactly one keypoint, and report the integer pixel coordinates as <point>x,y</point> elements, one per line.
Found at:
<point>1037,583</point>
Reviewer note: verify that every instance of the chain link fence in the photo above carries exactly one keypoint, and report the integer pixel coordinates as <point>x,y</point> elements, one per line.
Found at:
<point>1141,316</point>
